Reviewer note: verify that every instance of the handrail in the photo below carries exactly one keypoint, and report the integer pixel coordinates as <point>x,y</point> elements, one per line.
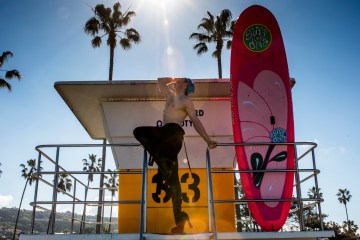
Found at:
<point>209,171</point>
<point>75,200</point>
<point>299,199</point>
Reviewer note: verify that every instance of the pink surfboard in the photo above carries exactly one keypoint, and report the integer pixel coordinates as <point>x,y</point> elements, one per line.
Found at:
<point>262,112</point>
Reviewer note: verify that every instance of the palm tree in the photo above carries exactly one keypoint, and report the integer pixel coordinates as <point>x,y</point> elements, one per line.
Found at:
<point>0,169</point>
<point>64,184</point>
<point>313,194</point>
<point>112,23</point>
<point>215,30</point>
<point>113,186</point>
<point>27,172</point>
<point>344,197</point>
<point>92,165</point>
<point>9,74</point>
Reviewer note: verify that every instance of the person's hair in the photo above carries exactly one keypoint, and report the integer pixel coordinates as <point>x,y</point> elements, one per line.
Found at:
<point>190,86</point>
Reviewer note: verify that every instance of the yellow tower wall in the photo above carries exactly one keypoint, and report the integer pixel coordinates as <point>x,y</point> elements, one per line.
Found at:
<point>159,216</point>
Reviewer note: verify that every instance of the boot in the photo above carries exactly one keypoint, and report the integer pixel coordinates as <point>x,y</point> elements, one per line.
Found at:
<point>180,226</point>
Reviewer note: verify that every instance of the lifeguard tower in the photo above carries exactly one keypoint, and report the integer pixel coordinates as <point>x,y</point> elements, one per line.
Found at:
<point>110,111</point>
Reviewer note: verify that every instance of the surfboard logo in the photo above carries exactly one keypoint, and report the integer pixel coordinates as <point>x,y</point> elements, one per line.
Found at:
<point>278,135</point>
<point>257,38</point>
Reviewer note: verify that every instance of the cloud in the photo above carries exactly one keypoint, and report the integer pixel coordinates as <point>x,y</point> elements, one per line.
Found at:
<point>6,200</point>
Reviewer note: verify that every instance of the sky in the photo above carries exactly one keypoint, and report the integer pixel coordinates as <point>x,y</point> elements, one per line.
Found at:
<point>49,45</point>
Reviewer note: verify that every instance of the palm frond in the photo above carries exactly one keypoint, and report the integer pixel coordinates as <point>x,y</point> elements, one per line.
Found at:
<point>225,18</point>
<point>105,26</point>
<point>92,26</point>
<point>228,44</point>
<point>116,16</point>
<point>5,84</point>
<point>206,38</point>
<point>117,7</point>
<point>108,14</point>
<point>101,12</point>
<point>227,34</point>
<point>31,162</point>
<point>13,73</point>
<point>194,36</point>
<point>126,19</point>
<point>211,17</point>
<point>132,35</point>
<point>201,37</point>
<point>207,26</point>
<point>232,26</point>
<point>96,42</point>
<point>201,48</point>
<point>4,57</point>
<point>125,43</point>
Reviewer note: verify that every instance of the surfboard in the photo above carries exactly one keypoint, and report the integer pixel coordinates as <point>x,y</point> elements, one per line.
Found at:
<point>262,112</point>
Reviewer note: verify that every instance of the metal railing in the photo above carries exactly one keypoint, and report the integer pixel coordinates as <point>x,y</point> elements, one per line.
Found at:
<point>58,169</point>
<point>298,199</point>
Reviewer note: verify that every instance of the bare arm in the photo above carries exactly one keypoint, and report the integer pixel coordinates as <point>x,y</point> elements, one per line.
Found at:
<point>190,110</point>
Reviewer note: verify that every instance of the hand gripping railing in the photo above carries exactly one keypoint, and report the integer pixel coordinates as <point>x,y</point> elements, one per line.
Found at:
<point>311,146</point>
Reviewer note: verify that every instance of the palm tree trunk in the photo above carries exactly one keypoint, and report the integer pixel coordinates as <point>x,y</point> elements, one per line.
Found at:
<point>112,198</point>
<point>347,217</point>
<point>111,62</point>
<point>219,65</point>
<point>18,213</point>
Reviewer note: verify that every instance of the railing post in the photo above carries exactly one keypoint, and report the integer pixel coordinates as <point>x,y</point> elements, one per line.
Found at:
<point>53,211</point>
<point>73,207</point>
<point>101,190</point>
<point>83,217</point>
<point>143,197</point>
<point>210,193</point>
<point>317,190</point>
<point>298,191</point>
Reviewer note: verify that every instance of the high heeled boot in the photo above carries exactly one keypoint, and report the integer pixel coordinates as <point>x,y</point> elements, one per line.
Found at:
<point>180,226</point>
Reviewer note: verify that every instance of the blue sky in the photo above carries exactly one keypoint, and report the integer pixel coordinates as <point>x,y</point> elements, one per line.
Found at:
<point>49,45</point>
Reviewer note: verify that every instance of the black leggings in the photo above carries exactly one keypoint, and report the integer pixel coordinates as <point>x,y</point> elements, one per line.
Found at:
<point>164,144</point>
